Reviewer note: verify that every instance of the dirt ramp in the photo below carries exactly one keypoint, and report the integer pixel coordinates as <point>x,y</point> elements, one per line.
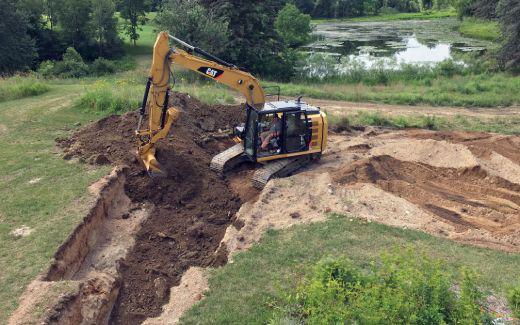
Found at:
<point>191,207</point>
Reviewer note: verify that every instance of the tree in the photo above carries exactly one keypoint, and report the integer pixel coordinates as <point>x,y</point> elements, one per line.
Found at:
<point>293,26</point>
<point>305,6</point>
<point>17,48</point>
<point>195,24</point>
<point>325,9</point>
<point>74,20</point>
<point>134,13</point>
<point>253,42</point>
<point>509,11</point>
<point>104,27</point>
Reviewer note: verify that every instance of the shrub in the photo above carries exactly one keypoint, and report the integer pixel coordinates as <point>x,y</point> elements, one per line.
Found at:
<point>72,65</point>
<point>46,69</point>
<point>102,66</point>
<point>513,298</point>
<point>403,288</point>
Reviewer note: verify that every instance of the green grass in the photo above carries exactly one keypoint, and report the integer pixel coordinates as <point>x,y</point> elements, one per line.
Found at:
<point>510,125</point>
<point>481,29</point>
<point>248,290</point>
<point>486,90</point>
<point>52,203</point>
<point>423,15</point>
<point>20,87</point>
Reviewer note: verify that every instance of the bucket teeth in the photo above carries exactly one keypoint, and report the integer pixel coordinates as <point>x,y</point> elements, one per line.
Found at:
<point>153,167</point>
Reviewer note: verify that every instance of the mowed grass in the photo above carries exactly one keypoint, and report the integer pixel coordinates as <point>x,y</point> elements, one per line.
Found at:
<point>247,291</point>
<point>509,125</point>
<point>481,29</point>
<point>38,189</point>
<point>499,89</point>
<point>19,87</point>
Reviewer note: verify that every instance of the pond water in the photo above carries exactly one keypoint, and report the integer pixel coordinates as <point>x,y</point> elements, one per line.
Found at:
<point>394,42</point>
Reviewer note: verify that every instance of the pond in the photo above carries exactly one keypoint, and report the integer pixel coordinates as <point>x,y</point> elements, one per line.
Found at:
<point>394,42</point>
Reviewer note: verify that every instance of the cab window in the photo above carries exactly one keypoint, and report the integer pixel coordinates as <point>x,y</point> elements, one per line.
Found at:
<point>270,130</point>
<point>296,132</point>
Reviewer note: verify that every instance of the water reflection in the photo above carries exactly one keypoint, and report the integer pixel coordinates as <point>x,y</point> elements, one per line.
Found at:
<point>393,43</point>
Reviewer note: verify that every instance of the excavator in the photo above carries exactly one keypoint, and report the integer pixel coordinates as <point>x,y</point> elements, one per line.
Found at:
<point>281,136</point>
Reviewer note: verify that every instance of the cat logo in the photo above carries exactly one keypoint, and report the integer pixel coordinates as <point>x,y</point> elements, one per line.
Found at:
<point>210,72</point>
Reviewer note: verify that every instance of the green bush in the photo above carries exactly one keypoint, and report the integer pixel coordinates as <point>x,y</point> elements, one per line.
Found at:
<point>102,66</point>
<point>20,87</point>
<point>513,298</point>
<point>402,288</point>
<point>72,65</point>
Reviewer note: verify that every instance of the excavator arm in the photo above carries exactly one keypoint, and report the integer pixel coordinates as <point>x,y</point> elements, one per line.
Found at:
<point>157,92</point>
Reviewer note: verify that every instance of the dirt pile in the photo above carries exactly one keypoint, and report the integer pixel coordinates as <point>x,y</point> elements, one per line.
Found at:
<point>192,206</point>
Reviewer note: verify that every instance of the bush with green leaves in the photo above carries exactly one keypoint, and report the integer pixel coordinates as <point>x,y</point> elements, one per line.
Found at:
<point>72,65</point>
<point>293,26</point>
<point>401,288</point>
<point>513,298</point>
<point>102,66</point>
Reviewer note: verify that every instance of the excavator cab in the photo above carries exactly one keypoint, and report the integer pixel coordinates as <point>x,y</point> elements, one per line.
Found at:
<point>296,119</point>
<point>302,138</point>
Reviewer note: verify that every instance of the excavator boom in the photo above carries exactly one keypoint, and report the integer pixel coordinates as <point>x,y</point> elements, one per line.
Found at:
<point>156,97</point>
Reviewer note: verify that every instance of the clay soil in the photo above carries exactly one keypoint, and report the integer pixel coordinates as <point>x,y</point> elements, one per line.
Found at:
<point>192,205</point>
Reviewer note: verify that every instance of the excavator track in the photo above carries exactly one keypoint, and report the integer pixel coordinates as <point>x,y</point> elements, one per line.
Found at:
<point>277,169</point>
<point>229,158</point>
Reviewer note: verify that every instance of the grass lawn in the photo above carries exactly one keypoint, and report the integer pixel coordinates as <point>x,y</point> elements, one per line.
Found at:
<point>245,291</point>
<point>38,189</point>
<point>423,15</point>
<point>481,29</point>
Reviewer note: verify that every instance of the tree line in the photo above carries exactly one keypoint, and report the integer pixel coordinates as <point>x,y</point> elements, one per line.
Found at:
<point>32,31</point>
<point>261,36</point>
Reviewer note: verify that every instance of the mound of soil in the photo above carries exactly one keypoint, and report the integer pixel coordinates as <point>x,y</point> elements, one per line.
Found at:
<point>192,205</point>
<point>466,198</point>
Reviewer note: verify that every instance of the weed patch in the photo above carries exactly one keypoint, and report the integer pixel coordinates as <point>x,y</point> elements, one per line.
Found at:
<point>400,288</point>
<point>20,87</point>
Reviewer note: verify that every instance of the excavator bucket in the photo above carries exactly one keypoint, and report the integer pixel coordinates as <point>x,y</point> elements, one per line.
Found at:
<point>151,164</point>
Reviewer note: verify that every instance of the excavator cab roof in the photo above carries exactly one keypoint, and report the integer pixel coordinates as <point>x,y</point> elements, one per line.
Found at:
<point>289,106</point>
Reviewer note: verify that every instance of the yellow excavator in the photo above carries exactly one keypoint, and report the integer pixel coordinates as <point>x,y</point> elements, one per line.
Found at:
<point>282,136</point>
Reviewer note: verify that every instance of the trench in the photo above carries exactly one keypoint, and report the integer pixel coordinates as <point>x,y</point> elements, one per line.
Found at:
<point>187,212</point>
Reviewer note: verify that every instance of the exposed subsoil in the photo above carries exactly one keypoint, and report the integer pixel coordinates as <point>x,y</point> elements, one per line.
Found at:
<point>192,206</point>
<point>459,185</point>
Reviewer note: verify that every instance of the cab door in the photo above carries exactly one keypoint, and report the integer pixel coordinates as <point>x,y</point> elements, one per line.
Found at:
<point>250,138</point>
<point>297,132</point>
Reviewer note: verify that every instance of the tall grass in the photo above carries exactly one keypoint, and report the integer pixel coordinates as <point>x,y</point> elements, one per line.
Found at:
<point>123,95</point>
<point>107,97</point>
<point>460,123</point>
<point>481,29</point>
<point>410,88</point>
<point>19,87</point>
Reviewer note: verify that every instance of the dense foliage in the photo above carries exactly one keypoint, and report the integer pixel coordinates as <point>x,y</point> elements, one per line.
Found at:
<point>32,31</point>
<point>17,49</point>
<point>134,14</point>
<point>293,26</point>
<point>509,11</point>
<point>401,289</point>
<point>195,24</point>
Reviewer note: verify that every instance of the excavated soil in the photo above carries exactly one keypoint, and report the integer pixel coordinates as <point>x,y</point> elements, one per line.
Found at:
<point>192,206</point>
<point>459,185</point>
